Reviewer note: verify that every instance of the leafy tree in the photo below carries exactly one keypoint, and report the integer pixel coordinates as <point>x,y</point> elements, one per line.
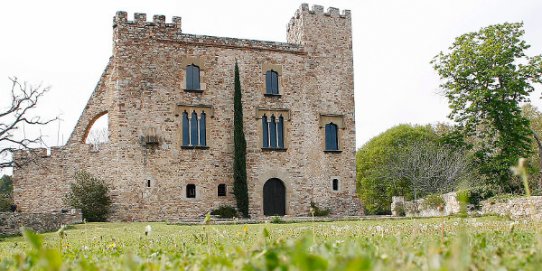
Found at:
<point>240,189</point>
<point>375,185</point>
<point>535,160</point>
<point>485,76</point>
<point>89,194</point>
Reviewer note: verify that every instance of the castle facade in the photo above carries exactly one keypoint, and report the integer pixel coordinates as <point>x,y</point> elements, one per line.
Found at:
<point>169,101</point>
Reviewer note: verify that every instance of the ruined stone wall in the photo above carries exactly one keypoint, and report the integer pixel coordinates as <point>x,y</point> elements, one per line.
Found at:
<point>11,223</point>
<point>143,92</point>
<point>515,208</point>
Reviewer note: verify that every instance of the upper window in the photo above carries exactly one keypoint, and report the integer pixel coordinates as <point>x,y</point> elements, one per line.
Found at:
<point>272,82</point>
<point>194,129</point>
<point>332,139</point>
<point>222,190</point>
<point>192,77</point>
<point>190,190</point>
<point>273,132</point>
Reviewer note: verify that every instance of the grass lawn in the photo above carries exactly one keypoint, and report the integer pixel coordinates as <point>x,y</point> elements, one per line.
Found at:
<point>486,243</point>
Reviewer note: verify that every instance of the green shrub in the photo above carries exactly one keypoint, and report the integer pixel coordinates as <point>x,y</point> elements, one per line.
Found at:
<point>6,190</point>
<point>400,209</point>
<point>89,194</point>
<point>5,203</point>
<point>433,202</point>
<point>477,194</point>
<point>277,220</point>
<point>374,160</point>
<point>317,211</point>
<point>225,211</point>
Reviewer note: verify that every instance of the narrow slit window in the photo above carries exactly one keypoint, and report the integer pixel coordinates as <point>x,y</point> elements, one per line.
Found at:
<point>186,129</point>
<point>202,132</point>
<point>222,190</point>
<point>265,129</point>
<point>280,133</point>
<point>273,132</point>
<point>190,190</point>
<point>194,129</point>
<point>148,183</point>
<point>335,185</point>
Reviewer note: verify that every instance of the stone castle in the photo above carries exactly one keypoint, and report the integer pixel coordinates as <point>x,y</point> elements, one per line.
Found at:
<point>169,101</point>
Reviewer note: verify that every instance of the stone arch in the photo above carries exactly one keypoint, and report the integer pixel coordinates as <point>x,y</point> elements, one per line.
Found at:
<point>270,173</point>
<point>274,197</point>
<point>91,124</point>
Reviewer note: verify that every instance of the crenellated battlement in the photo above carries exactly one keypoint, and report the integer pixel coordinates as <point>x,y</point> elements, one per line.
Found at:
<point>307,24</point>
<point>140,19</point>
<point>319,10</point>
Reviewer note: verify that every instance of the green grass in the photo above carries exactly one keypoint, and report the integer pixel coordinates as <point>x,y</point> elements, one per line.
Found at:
<point>486,243</point>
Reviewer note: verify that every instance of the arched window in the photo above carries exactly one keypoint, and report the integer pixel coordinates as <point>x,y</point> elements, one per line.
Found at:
<point>192,77</point>
<point>186,129</point>
<point>190,190</point>
<point>335,185</point>
<point>265,129</point>
<point>202,133</point>
<point>332,142</point>
<point>273,132</point>
<point>280,133</point>
<point>194,129</point>
<point>272,82</point>
<point>222,190</point>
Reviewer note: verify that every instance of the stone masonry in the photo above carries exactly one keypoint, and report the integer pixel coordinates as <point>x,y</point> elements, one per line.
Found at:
<point>11,222</point>
<point>142,90</point>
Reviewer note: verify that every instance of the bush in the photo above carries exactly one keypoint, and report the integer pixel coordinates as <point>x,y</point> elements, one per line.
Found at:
<point>433,202</point>
<point>225,211</point>
<point>373,161</point>
<point>317,211</point>
<point>6,189</point>
<point>400,209</point>
<point>477,194</point>
<point>5,203</point>
<point>277,220</point>
<point>89,194</point>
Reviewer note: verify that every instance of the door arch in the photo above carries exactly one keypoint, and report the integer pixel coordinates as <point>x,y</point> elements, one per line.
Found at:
<point>274,198</point>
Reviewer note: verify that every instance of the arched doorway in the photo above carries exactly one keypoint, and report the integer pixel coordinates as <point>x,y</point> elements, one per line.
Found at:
<point>274,198</point>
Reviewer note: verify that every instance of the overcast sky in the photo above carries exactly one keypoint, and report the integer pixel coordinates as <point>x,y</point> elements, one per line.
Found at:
<point>66,44</point>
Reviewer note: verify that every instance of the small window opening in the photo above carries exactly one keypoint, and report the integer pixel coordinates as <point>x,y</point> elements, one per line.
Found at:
<point>335,185</point>
<point>190,190</point>
<point>222,190</point>
<point>148,183</point>
<point>272,82</point>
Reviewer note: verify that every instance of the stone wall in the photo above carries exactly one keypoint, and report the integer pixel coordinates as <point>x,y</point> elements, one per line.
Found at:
<point>143,89</point>
<point>516,208</point>
<point>11,222</point>
<point>417,208</point>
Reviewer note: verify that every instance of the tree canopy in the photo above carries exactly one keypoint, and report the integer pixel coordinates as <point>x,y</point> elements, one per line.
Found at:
<point>374,158</point>
<point>486,75</point>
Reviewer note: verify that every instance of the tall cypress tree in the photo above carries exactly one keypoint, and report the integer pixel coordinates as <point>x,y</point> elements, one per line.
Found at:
<point>240,189</point>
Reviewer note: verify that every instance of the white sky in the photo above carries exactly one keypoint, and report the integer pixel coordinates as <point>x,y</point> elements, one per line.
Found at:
<point>66,44</point>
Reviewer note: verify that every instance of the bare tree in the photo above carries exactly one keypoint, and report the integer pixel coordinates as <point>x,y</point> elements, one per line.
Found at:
<point>429,168</point>
<point>24,98</point>
<point>97,138</point>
